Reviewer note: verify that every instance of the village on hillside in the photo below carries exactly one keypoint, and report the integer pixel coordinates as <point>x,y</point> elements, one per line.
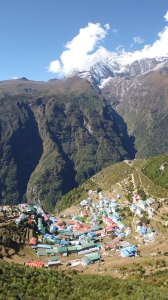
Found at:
<point>99,227</point>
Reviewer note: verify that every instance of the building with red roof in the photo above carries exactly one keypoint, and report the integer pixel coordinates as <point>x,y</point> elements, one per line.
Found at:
<point>59,225</point>
<point>36,264</point>
<point>108,221</point>
<point>84,213</point>
<point>85,228</point>
<point>46,218</point>
<point>78,225</point>
<point>110,228</point>
<point>70,223</point>
<point>33,241</point>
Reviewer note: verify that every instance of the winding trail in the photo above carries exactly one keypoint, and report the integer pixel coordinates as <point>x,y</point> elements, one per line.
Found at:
<point>140,180</point>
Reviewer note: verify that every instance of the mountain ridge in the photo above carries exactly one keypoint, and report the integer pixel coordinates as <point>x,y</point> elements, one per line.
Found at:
<point>138,92</point>
<point>79,130</point>
<point>110,68</point>
<point>77,133</point>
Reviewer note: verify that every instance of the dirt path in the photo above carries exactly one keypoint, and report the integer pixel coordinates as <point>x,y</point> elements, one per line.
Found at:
<point>133,181</point>
<point>133,222</point>
<point>140,174</point>
<point>146,192</point>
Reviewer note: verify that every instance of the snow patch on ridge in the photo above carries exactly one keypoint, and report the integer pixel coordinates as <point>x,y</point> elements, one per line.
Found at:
<point>102,73</point>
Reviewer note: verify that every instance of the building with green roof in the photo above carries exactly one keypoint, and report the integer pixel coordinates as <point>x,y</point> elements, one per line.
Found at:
<point>55,258</point>
<point>42,253</point>
<point>90,258</point>
<point>96,227</point>
<point>62,250</point>
<point>72,249</point>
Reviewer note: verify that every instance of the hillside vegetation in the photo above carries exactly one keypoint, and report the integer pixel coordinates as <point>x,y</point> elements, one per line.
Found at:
<point>156,169</point>
<point>145,110</point>
<point>123,177</point>
<point>54,136</point>
<point>144,276</point>
<point>18,282</point>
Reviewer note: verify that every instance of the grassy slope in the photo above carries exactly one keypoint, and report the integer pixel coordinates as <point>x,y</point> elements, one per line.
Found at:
<point>153,172</point>
<point>117,178</point>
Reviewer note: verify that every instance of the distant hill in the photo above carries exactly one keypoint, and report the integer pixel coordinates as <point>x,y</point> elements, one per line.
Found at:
<point>53,136</point>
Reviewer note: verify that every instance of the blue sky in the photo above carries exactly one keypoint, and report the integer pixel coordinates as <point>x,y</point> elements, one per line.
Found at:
<point>38,39</point>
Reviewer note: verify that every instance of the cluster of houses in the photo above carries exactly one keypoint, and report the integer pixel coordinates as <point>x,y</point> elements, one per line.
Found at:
<point>140,206</point>
<point>84,234</point>
<point>96,228</point>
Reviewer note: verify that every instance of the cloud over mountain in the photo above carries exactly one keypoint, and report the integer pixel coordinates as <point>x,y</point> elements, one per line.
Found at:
<point>85,50</point>
<point>76,53</point>
<point>138,40</point>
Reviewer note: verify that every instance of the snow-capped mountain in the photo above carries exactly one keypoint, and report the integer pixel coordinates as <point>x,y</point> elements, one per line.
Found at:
<point>138,93</point>
<point>111,68</point>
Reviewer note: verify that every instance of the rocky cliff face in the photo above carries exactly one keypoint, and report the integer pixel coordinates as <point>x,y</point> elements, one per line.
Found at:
<point>143,103</point>
<point>54,137</point>
<point>112,68</point>
<point>138,92</point>
<point>20,147</point>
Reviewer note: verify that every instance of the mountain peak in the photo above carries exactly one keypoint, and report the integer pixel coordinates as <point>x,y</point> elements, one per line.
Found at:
<point>119,67</point>
<point>23,78</point>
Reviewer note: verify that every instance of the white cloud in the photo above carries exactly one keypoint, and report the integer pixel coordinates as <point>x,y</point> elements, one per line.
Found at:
<point>14,77</point>
<point>107,26</point>
<point>158,49</point>
<point>120,49</point>
<point>138,40</point>
<point>54,66</point>
<point>115,31</point>
<point>79,48</point>
<point>76,54</point>
<point>85,50</point>
<point>166,16</point>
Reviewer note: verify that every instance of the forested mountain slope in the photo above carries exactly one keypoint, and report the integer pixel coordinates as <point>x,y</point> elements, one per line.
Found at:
<point>142,101</point>
<point>54,136</point>
<point>139,93</point>
<point>145,110</point>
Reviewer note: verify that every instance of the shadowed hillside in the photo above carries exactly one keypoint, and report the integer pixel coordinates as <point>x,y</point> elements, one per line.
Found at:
<point>20,147</point>
<point>145,110</point>
<point>54,136</point>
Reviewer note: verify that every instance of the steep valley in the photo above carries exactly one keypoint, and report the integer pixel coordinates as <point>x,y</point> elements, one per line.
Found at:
<point>56,134</point>
<point>142,101</point>
<point>138,91</point>
<point>56,137</point>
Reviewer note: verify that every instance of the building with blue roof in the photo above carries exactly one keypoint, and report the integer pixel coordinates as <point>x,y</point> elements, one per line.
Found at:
<point>52,220</point>
<point>128,251</point>
<point>52,228</point>
<point>65,243</point>
<point>143,230</point>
